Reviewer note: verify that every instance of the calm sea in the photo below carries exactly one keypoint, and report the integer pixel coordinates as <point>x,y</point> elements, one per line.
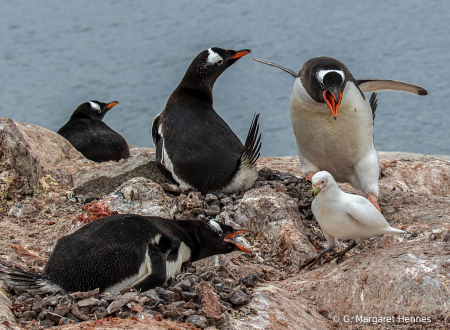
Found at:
<point>55,55</point>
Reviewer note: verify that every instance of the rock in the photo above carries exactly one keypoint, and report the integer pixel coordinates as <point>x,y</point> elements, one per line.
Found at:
<point>210,301</point>
<point>153,298</point>
<point>184,285</point>
<point>275,214</point>
<point>250,280</point>
<point>53,317</point>
<point>121,301</point>
<point>211,198</point>
<point>88,302</point>
<point>142,196</point>
<point>20,169</point>
<point>197,321</point>
<point>61,310</point>
<point>38,304</point>
<point>212,210</point>
<point>238,298</point>
<point>85,295</point>
<point>28,315</point>
<point>189,296</point>
<point>47,323</point>
<point>24,210</point>
<point>51,300</point>
<point>78,313</point>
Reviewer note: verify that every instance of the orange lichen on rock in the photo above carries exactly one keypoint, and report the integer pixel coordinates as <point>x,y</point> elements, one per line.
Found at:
<point>94,211</point>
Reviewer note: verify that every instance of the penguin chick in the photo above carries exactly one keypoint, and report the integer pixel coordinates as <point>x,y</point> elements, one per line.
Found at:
<point>125,250</point>
<point>86,131</point>
<point>344,216</point>
<point>340,141</point>
<point>195,147</point>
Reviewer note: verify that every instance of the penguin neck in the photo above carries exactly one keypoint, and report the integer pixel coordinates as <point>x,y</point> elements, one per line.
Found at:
<point>191,234</point>
<point>81,115</point>
<point>201,85</point>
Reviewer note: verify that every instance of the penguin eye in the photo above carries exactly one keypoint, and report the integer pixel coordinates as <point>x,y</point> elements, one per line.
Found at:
<point>322,182</point>
<point>219,61</point>
<point>220,233</point>
<point>322,85</point>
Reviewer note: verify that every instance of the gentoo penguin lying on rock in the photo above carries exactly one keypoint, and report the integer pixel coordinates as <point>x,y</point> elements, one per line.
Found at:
<point>344,216</point>
<point>195,147</point>
<point>342,145</point>
<point>125,250</point>
<point>86,131</point>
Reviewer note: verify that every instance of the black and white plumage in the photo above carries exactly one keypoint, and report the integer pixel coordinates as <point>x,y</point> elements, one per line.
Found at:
<point>125,250</point>
<point>341,141</point>
<point>195,147</point>
<point>86,131</point>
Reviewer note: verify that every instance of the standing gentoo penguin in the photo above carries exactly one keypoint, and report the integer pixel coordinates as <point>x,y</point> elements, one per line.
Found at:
<point>86,131</point>
<point>195,147</point>
<point>342,145</point>
<point>344,216</point>
<point>125,250</point>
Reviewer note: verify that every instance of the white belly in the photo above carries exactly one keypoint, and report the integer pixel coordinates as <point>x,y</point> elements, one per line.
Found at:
<point>336,146</point>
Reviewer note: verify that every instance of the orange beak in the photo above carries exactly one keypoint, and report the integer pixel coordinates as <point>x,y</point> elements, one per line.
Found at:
<point>241,53</point>
<point>333,104</point>
<point>112,104</point>
<point>243,249</point>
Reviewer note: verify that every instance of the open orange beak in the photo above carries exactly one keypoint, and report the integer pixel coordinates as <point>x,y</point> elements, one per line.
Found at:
<point>112,104</point>
<point>333,104</point>
<point>241,53</point>
<point>243,249</point>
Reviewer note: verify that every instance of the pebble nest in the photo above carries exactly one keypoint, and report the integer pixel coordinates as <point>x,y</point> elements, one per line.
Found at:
<point>199,296</point>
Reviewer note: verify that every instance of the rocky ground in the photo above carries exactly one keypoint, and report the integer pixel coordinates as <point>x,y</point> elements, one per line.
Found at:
<point>47,190</point>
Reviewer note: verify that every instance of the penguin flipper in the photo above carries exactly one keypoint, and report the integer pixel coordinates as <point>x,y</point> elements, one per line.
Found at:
<point>155,126</point>
<point>159,150</point>
<point>291,72</point>
<point>157,276</point>
<point>252,144</point>
<point>375,85</point>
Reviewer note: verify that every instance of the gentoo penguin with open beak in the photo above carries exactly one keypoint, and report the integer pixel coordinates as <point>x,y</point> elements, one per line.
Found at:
<point>125,250</point>
<point>195,147</point>
<point>86,131</point>
<point>341,141</point>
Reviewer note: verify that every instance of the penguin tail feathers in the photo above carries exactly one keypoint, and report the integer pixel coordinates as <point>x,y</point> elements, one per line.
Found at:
<point>26,281</point>
<point>252,144</point>
<point>373,104</point>
<point>393,231</point>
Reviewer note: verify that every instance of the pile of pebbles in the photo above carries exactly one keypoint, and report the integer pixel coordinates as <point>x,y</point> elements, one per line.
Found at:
<point>190,298</point>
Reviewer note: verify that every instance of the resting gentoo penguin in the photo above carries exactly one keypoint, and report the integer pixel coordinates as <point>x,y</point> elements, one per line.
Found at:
<point>125,250</point>
<point>344,216</point>
<point>342,145</point>
<point>86,131</point>
<point>195,147</point>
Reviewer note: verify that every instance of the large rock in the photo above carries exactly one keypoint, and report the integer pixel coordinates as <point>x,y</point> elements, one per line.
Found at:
<point>409,279</point>
<point>278,309</point>
<point>142,196</point>
<point>277,216</point>
<point>20,169</point>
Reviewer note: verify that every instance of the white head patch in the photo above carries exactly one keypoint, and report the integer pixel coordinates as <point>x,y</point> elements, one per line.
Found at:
<point>95,106</point>
<point>322,74</point>
<point>213,57</point>
<point>215,226</point>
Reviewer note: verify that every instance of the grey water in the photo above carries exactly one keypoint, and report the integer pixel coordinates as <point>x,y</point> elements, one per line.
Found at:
<point>55,55</point>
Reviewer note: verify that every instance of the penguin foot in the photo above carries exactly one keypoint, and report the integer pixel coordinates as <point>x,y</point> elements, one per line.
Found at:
<point>373,199</point>
<point>309,176</point>
<point>311,262</point>
<point>339,255</point>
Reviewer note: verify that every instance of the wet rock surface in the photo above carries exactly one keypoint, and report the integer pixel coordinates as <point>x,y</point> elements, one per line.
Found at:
<point>264,289</point>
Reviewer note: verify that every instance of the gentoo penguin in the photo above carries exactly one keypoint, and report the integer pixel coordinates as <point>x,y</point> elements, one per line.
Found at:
<point>86,131</point>
<point>344,216</point>
<point>195,147</point>
<point>125,250</point>
<point>342,145</point>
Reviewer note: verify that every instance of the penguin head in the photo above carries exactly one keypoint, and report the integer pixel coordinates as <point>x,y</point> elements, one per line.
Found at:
<point>209,65</point>
<point>216,239</point>
<point>321,181</point>
<point>324,79</point>
<point>94,109</point>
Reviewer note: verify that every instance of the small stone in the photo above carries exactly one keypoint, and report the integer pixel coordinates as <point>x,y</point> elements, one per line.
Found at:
<point>101,312</point>
<point>211,198</point>
<point>226,201</point>
<point>198,321</point>
<point>177,290</point>
<point>70,316</point>
<point>121,301</point>
<point>22,298</point>
<point>84,295</point>
<point>224,296</point>
<point>176,304</point>
<point>47,323</point>
<point>61,310</point>
<point>28,315</point>
<point>212,210</point>
<point>238,298</point>
<point>41,316</point>
<point>51,300</point>
<point>191,305</point>
<point>65,320</point>
<point>102,303</point>
<point>54,317</point>
<point>24,210</point>
<point>88,302</point>
<point>189,296</point>
<point>194,279</point>
<point>78,313</point>
<point>184,285</point>
<point>153,298</point>
<point>38,304</point>
<point>219,287</point>
<point>108,297</point>
<point>250,280</point>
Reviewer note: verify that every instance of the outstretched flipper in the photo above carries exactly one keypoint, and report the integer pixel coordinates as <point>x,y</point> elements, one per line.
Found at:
<point>291,72</point>
<point>376,85</point>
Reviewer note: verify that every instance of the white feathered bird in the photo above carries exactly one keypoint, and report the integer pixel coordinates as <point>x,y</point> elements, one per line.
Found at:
<point>344,216</point>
